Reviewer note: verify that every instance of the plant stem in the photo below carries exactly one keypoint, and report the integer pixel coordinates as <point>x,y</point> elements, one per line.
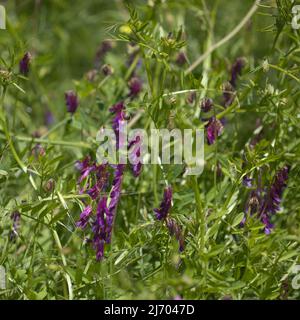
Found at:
<point>64,261</point>
<point>200,216</point>
<point>228,37</point>
<point>80,145</point>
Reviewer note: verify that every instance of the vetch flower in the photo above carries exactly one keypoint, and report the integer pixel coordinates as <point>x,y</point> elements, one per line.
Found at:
<point>206,104</point>
<point>135,153</point>
<point>71,101</point>
<point>114,198</point>
<point>175,230</point>
<point>214,129</point>
<point>48,118</point>
<point>163,210</point>
<point>85,167</point>
<point>135,87</point>
<point>266,202</point>
<point>103,49</point>
<point>265,219</point>
<point>181,59</point>
<point>275,194</point>
<point>236,70</point>
<point>38,151</point>
<point>119,110</point>
<point>84,217</point>
<point>24,64</point>
<point>101,181</point>
<point>99,228</point>
<point>247,182</point>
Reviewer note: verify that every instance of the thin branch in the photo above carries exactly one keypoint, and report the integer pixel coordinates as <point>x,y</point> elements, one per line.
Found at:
<point>226,38</point>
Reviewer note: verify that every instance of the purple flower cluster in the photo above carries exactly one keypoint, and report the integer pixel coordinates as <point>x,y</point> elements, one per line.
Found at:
<point>135,153</point>
<point>100,228</point>
<point>206,104</point>
<point>24,64</point>
<point>181,59</point>
<point>120,115</point>
<point>265,203</point>
<point>162,213</point>
<point>135,86</point>
<point>84,217</point>
<point>175,230</point>
<point>114,196</point>
<point>236,70</point>
<point>71,101</point>
<point>102,224</point>
<point>103,49</point>
<point>214,129</point>
<point>247,182</point>
<point>273,198</point>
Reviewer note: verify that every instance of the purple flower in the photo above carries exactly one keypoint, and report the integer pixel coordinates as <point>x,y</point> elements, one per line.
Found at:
<point>175,230</point>
<point>214,129</point>
<point>85,167</point>
<point>206,104</point>
<point>84,217</point>
<point>236,70</point>
<point>135,87</point>
<point>163,210</point>
<point>135,154</point>
<point>276,191</point>
<point>24,64</point>
<point>99,228</point>
<point>265,219</point>
<point>247,182</point>
<point>119,110</point>
<point>15,217</point>
<point>266,202</point>
<point>115,195</point>
<point>181,59</point>
<point>103,49</point>
<point>38,151</point>
<point>102,178</point>
<point>71,101</point>
<point>48,118</point>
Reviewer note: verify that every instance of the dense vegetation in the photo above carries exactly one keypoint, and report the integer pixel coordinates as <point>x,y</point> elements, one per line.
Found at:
<point>69,68</point>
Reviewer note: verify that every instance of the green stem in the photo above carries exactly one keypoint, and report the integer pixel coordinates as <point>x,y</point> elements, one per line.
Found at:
<point>64,261</point>
<point>57,126</point>
<point>53,142</point>
<point>200,216</point>
<point>284,71</point>
<point>7,135</point>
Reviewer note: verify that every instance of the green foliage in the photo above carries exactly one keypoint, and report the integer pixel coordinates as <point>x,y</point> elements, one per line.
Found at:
<point>50,258</point>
